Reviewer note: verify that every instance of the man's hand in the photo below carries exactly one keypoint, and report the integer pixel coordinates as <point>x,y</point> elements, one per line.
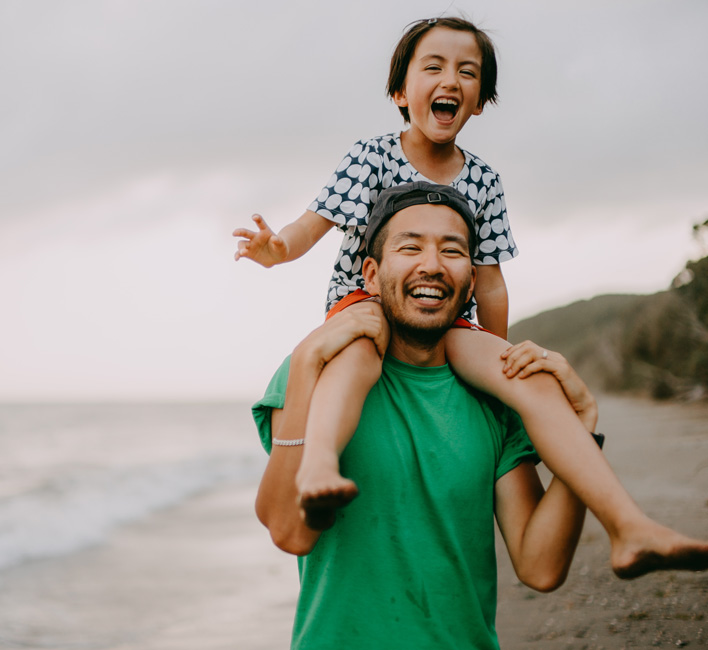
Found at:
<point>527,358</point>
<point>263,246</point>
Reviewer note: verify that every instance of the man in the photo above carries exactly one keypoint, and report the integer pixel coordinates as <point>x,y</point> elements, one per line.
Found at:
<point>410,563</point>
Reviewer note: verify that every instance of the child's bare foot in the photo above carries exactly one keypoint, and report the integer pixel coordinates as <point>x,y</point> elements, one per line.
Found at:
<point>658,548</point>
<point>319,507</point>
<point>321,490</point>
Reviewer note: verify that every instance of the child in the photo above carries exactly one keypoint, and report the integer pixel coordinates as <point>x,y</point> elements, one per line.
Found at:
<point>443,72</point>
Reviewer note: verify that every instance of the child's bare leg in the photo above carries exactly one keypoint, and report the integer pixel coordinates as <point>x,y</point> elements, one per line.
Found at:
<point>333,417</point>
<point>639,545</point>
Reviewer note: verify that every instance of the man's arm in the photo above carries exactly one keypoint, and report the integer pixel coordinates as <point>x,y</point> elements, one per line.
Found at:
<point>492,299</point>
<point>541,530</point>
<point>276,502</point>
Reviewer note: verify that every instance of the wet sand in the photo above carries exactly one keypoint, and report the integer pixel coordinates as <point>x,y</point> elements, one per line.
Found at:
<point>660,453</point>
<point>204,575</point>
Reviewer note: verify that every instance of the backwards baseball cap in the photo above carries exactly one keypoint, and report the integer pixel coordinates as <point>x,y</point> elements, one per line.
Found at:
<point>395,199</point>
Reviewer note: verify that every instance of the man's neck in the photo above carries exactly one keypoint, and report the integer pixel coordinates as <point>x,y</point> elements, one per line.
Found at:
<point>417,353</point>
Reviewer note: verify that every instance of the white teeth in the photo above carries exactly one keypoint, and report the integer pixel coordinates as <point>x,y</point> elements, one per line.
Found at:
<point>428,291</point>
<point>453,102</point>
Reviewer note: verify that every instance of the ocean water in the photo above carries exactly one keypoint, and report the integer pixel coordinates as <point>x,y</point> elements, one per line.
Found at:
<point>72,473</point>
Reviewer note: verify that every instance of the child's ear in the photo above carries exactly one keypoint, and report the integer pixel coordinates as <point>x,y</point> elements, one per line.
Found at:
<point>370,271</point>
<point>400,98</point>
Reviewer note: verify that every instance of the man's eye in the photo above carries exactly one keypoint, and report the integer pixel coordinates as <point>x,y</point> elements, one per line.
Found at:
<point>410,247</point>
<point>452,251</point>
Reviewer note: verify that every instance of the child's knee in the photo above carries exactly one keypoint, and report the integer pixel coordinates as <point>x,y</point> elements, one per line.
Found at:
<point>364,351</point>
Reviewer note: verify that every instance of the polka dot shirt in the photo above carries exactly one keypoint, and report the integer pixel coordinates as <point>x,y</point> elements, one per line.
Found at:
<point>373,165</point>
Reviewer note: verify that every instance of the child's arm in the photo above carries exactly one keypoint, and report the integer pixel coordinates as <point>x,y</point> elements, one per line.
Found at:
<point>268,249</point>
<point>492,299</point>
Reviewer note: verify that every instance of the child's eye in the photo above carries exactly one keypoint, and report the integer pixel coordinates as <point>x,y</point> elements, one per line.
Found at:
<point>433,68</point>
<point>469,73</point>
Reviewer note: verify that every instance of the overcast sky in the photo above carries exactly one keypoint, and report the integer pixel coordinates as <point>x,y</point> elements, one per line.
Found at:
<point>136,135</point>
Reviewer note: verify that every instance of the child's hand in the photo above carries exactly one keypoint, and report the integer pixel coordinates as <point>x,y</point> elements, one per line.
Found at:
<point>263,246</point>
<point>338,332</point>
<point>527,358</point>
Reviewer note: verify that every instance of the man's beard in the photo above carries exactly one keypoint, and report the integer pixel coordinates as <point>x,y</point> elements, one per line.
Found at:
<point>416,329</point>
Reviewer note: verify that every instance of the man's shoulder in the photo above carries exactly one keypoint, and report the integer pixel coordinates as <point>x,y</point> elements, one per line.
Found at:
<point>501,413</point>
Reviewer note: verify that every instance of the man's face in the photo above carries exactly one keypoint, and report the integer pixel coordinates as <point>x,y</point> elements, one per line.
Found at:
<point>425,277</point>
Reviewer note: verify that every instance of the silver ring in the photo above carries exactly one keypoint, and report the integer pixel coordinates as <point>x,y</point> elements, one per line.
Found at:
<point>545,354</point>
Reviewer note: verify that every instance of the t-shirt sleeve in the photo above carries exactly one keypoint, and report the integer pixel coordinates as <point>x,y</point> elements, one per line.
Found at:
<point>496,243</point>
<point>274,398</point>
<point>353,188</point>
<point>517,447</point>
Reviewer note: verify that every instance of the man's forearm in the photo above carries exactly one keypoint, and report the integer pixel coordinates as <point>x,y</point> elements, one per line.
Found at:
<point>541,527</point>
<point>551,537</point>
<point>276,502</point>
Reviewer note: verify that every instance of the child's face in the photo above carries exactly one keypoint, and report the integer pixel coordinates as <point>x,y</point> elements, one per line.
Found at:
<point>442,83</point>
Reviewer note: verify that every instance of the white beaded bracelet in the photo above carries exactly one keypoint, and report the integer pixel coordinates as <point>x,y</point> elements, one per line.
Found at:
<point>288,443</point>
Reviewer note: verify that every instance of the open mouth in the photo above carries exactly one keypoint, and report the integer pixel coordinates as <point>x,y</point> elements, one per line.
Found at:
<point>430,295</point>
<point>445,109</point>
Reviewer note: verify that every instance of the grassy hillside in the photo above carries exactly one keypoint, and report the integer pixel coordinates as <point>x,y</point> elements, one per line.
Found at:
<point>656,344</point>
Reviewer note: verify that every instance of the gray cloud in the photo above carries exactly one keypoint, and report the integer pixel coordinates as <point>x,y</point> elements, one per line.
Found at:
<point>606,95</point>
<point>136,135</point>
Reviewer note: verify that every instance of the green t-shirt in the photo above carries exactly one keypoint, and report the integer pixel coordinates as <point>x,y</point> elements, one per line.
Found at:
<point>410,563</point>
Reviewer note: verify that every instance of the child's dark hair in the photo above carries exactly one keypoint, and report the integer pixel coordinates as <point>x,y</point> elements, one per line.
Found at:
<point>406,46</point>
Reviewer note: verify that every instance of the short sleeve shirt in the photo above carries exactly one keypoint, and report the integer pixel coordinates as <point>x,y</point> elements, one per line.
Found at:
<point>410,563</point>
<point>376,164</point>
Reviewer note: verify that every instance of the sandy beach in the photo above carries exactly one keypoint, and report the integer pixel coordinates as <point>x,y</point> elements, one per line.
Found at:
<point>203,575</point>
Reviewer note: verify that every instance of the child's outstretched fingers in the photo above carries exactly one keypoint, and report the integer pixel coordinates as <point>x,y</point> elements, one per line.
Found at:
<point>263,246</point>
<point>242,246</point>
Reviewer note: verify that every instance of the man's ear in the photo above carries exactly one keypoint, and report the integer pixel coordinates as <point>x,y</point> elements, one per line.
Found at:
<point>472,283</point>
<point>370,271</point>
